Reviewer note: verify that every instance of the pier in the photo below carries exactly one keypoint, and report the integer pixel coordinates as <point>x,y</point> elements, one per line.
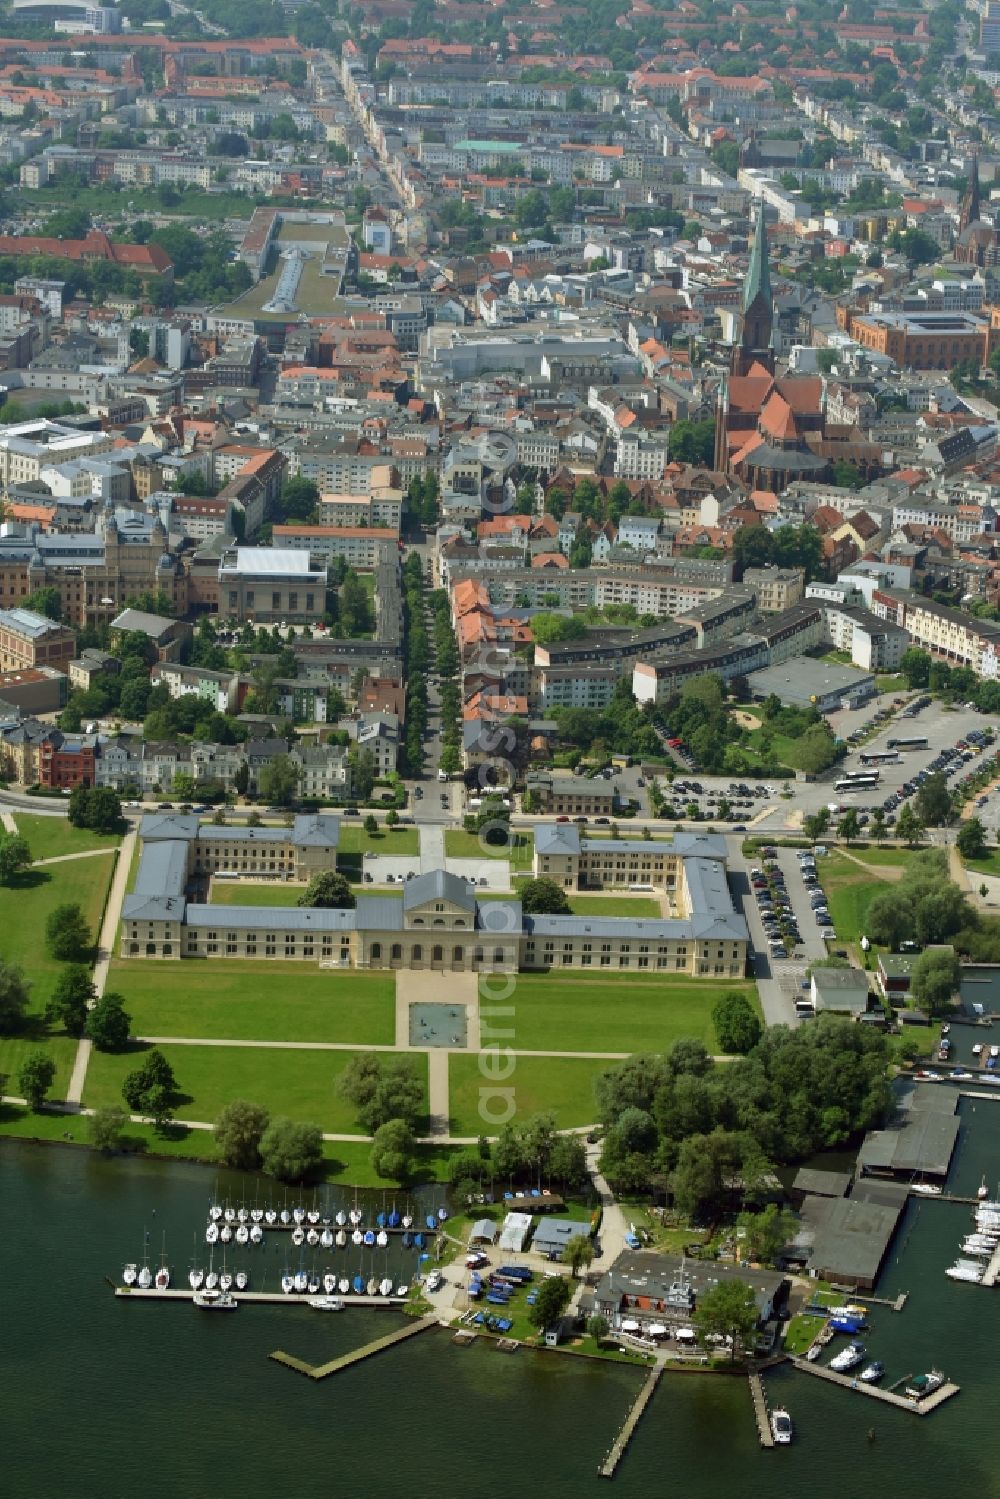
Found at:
<point>992,1270</point>
<point>760,1410</point>
<point>272,1298</point>
<point>614,1457</point>
<point>894,1303</point>
<point>346,1360</point>
<point>888,1397</point>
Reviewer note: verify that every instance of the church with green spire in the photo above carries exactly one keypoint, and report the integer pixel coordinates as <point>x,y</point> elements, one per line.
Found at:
<point>756,345</point>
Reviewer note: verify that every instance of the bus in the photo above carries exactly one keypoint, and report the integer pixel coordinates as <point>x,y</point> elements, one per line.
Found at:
<point>917,743</point>
<point>861,775</point>
<point>858,783</point>
<point>880,757</point>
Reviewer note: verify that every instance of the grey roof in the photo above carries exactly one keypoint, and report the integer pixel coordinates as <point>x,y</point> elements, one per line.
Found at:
<point>851,1236</point>
<point>216,832</point>
<point>379,913</point>
<point>316,830</point>
<point>556,1233</point>
<point>162,868</point>
<point>153,625</point>
<point>822,1183</point>
<point>645,1273</point>
<point>921,1141</point>
<point>153,908</point>
<point>438,885</point>
<point>27,623</point>
<point>557,838</point>
<point>499,918</point>
<point>281,919</point>
<point>155,826</point>
<point>843,989</point>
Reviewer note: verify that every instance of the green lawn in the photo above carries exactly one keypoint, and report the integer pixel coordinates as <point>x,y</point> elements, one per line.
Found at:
<point>849,891</point>
<point>622,1012</point>
<point>458,844</point>
<point>563,1086</point>
<point>48,837</point>
<point>614,905</point>
<point>26,905</point>
<point>247,1001</point>
<point>244,893</point>
<point>886,858</point>
<point>989,865</point>
<point>14,1050</point>
<point>296,1084</point>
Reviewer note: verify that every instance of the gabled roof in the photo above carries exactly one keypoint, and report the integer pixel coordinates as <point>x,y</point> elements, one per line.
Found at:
<point>438,885</point>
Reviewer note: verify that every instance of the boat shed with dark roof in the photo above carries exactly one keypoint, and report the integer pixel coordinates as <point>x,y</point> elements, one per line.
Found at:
<point>850,1238</point>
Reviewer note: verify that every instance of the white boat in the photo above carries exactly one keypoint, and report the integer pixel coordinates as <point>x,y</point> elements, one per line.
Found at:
<point>326,1304</point>
<point>215,1212</point>
<point>343,1285</point>
<point>257,1215</point>
<point>983,1191</point>
<point>341,1218</point>
<point>226,1281</point>
<point>977,1050</point>
<point>270,1217</point>
<point>242,1234</point>
<point>848,1358</point>
<point>926,1188</point>
<point>211,1233</point>
<point>215,1301</point>
<point>922,1385</point>
<point>196,1279</point>
<point>356,1216</point>
<point>872,1373</point>
<point>357,1236</point>
<point>329,1283</point>
<point>382,1238</point>
<point>301,1282</point>
<point>288,1284</point>
<point>286,1216</point>
<point>313,1286</point>
<point>312,1237</point>
<point>162,1280</point>
<point>963,1272</point>
<point>781,1426</point>
<point>402,1289</point>
<point>211,1280</point>
<point>372,1287</point>
<point>129,1275</point>
<point>326,1239</point>
<point>385,1287</point>
<point>341,1238</point>
<point>242,1280</point>
<point>229,1214</point>
<point>243,1215</point>
<point>813,1352</point>
<point>299,1215</point>
<point>298,1235</point>
<point>849,1309</point>
<point>312,1216</point>
<point>256,1234</point>
<point>407,1220</point>
<point>226,1233</point>
<point>145,1278</point>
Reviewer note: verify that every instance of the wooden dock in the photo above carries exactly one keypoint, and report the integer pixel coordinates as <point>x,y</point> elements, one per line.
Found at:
<point>272,1298</point>
<point>992,1270</point>
<point>761,1413</point>
<point>895,1303</point>
<point>614,1457</point>
<point>888,1397</point>
<point>346,1360</point>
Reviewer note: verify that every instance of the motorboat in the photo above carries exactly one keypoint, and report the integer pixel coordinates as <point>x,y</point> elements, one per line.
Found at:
<point>242,1234</point>
<point>849,1309</point>
<point>872,1373</point>
<point>849,1325</point>
<point>242,1280</point>
<point>848,1358</point>
<point>326,1239</point>
<point>983,1191</point>
<point>813,1352</point>
<point>226,1281</point>
<point>341,1238</point>
<point>256,1234</point>
<point>781,1426</point>
<point>326,1304</point>
<point>922,1385</point>
<point>226,1233</point>
<point>965,1271</point>
<point>382,1238</point>
<point>212,1233</point>
<point>301,1282</point>
<point>298,1235</point>
<point>329,1283</point>
<point>129,1275</point>
<point>926,1189</point>
<point>145,1278</point>
<point>288,1283</point>
<point>215,1301</point>
<point>162,1280</point>
<point>977,1049</point>
<point>385,1286</point>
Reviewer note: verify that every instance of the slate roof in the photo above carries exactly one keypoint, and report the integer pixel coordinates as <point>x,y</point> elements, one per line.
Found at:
<point>438,885</point>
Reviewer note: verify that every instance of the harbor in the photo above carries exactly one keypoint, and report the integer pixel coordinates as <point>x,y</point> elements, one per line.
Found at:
<point>620,1444</point>
<point>922,1407</point>
<point>762,1415</point>
<point>358,1356</point>
<point>257,1298</point>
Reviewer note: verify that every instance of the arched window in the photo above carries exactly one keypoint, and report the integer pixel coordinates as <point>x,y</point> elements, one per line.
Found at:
<point>376,949</point>
<point>417,954</point>
<point>459,920</point>
<point>418,921</point>
<point>397,952</point>
<point>457,955</point>
<point>439,921</point>
<point>437,956</point>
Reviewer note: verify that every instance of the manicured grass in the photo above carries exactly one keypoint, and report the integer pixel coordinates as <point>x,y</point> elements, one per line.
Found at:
<point>989,865</point>
<point>614,1013</point>
<point>14,1050</point>
<point>614,905</point>
<point>354,840</point>
<point>458,844</point>
<point>849,891</point>
<point>243,893</point>
<point>248,1001</point>
<point>296,1084</point>
<point>26,905</point>
<point>49,837</point>
<point>563,1086</point>
<point>888,858</point>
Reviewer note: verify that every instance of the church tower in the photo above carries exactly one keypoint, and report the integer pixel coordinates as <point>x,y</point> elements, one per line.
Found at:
<point>970,203</point>
<point>755,345</point>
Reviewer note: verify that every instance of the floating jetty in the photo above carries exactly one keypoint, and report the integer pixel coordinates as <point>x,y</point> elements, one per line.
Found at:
<point>761,1413</point>
<point>323,1371</point>
<point>272,1298</point>
<point>992,1271</point>
<point>645,1395</point>
<point>888,1397</point>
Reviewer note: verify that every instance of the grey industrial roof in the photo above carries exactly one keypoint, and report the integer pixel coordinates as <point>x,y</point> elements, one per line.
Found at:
<point>852,1237</point>
<point>556,1233</point>
<point>272,562</point>
<point>153,625</point>
<point>379,913</point>
<point>282,918</point>
<point>557,838</point>
<point>822,1183</point>
<point>155,826</point>
<point>153,908</point>
<point>162,868</point>
<point>920,1142</point>
<point>799,680</point>
<point>437,884</point>
<point>27,623</point>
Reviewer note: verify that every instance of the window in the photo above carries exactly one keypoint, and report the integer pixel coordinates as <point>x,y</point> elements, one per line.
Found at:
<point>498,955</point>
<point>376,949</point>
<point>275,600</point>
<point>437,955</point>
<point>417,954</point>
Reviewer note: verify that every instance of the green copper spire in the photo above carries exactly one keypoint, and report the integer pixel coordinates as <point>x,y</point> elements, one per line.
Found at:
<point>758,283</point>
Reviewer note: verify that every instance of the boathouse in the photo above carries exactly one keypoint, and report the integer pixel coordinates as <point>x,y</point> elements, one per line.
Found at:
<point>919,1142</point>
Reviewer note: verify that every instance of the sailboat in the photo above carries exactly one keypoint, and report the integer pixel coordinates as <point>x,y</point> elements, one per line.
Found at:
<point>215,1212</point>
<point>326,1239</point>
<point>242,1280</point>
<point>242,1234</point>
<point>226,1233</point>
<point>162,1280</point>
<point>312,1237</point>
<point>341,1218</point>
<point>256,1234</point>
<point>385,1287</point>
<point>984,1190</point>
<point>372,1286</point>
<point>301,1282</point>
<point>357,1236</point>
<point>312,1216</point>
<point>211,1276</point>
<point>382,1238</point>
<point>329,1283</point>
<point>287,1283</point>
<point>407,1220</point>
<point>145,1279</point>
<point>229,1213</point>
<point>270,1217</point>
<point>393,1217</point>
<point>195,1278</point>
<point>407,1239</point>
<point>298,1235</point>
<point>299,1215</point>
<point>129,1275</point>
<point>359,1285</point>
<point>343,1285</point>
<point>341,1238</point>
<point>369,1237</point>
<point>212,1233</point>
<point>243,1214</point>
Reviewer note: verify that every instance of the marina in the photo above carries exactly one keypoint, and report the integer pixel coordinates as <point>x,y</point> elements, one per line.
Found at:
<point>618,1449</point>
<point>358,1355</point>
<point>258,1298</point>
<point>922,1407</point>
<point>761,1413</point>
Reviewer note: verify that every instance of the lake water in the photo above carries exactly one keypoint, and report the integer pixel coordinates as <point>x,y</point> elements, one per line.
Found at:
<point>103,1397</point>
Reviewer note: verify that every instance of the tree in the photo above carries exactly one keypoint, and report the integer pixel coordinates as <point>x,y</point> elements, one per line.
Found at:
<point>105,1128</point>
<point>381,1090</point>
<point>239,1130</point>
<point>35,1077</point>
<point>361,764</point>
<point>291,1151</point>
<point>849,826</point>
<point>328,889</point>
<point>909,826</point>
<point>889,919</point>
<point>298,500</point>
<point>915,666</point>
<point>47,601</point>
<point>935,979</point>
<point>543,897</point>
<point>15,855</point>
<point>816,824</point>
<point>108,1024</point>
<point>765,1234</point>
<point>392,1149</point>
<point>149,1085</point>
<point>971,839</point>
<point>579,1254</point>
<point>98,808</point>
<point>737,1024</point>
<point>598,1327</point>
<point>933,801</point>
<point>727,1311</point>
<point>878,825</point>
<point>279,781</point>
<point>392,818</point>
<point>371,825</point>
<point>15,994</point>
<point>71,999</point>
<point>551,1300</point>
<point>68,934</point>
<point>704,1165</point>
